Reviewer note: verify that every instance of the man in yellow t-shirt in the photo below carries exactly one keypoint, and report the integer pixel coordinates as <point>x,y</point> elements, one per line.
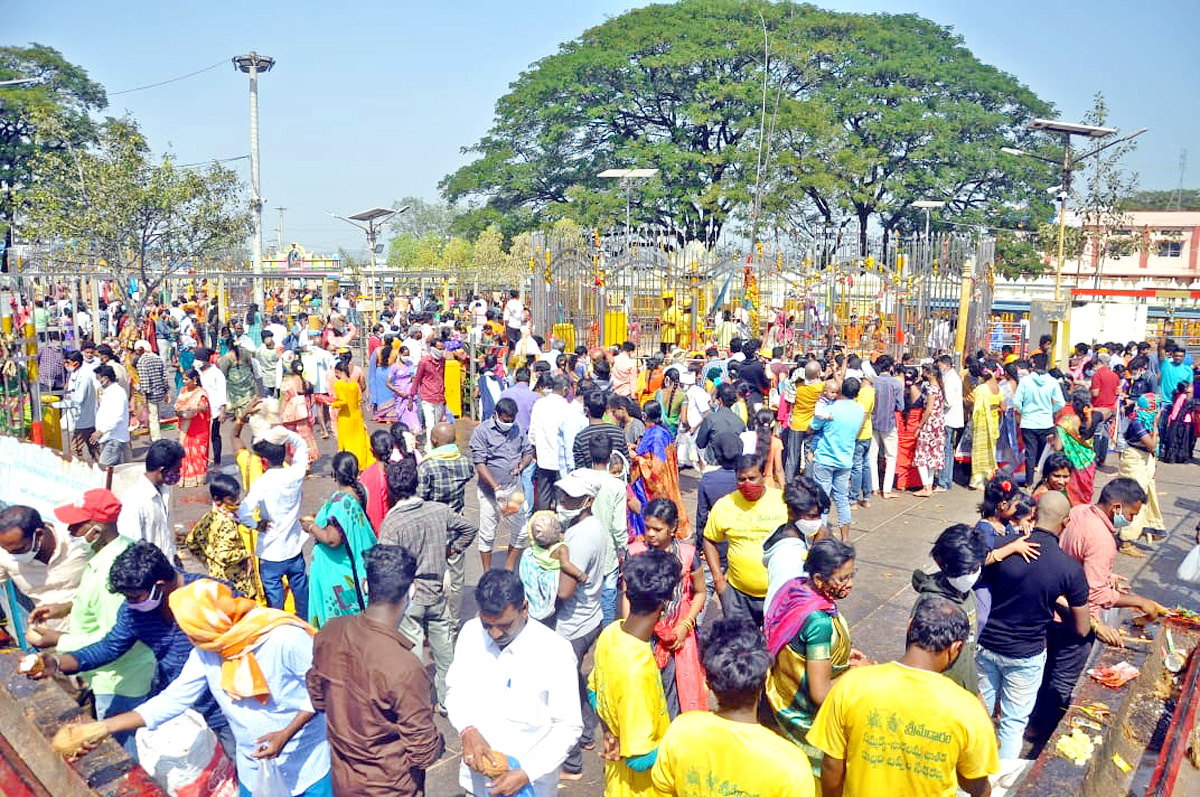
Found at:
<point>625,685</point>
<point>670,322</point>
<point>903,728</point>
<point>808,393</point>
<point>728,752</point>
<point>744,519</point>
<point>862,472</point>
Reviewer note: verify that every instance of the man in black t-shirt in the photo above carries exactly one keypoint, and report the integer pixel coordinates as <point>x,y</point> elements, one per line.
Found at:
<point>1012,646</point>
<point>753,371</point>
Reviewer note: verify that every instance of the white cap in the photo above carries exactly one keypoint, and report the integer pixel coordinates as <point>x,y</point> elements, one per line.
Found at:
<point>576,487</point>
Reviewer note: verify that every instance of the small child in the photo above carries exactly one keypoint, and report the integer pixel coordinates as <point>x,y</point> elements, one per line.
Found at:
<point>542,562</point>
<point>1024,514</point>
<point>824,408</point>
<point>222,543</point>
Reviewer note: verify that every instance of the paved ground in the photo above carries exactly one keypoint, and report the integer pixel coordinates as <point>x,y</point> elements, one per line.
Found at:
<point>891,537</point>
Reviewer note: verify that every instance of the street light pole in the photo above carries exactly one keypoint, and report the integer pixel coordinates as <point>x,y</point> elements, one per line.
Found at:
<point>630,179</point>
<point>253,63</point>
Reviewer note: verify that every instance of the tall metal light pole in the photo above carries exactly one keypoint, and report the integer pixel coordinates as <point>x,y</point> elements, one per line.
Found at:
<point>630,180</point>
<point>252,64</point>
<point>370,222</point>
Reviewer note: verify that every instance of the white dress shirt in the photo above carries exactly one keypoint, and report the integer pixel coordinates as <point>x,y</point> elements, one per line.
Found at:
<point>952,389</point>
<point>523,699</point>
<point>146,515</point>
<point>213,382</point>
<point>276,495</point>
<point>545,427</point>
<point>112,416</point>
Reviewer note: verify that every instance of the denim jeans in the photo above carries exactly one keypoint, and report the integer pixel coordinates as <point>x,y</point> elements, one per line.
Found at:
<point>111,706</point>
<point>434,621</point>
<point>836,482</point>
<point>608,597</point>
<point>272,574</point>
<point>1016,683</point>
<point>945,479</point>
<point>861,471</point>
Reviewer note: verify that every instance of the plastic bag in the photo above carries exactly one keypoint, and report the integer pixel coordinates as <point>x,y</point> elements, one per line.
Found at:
<point>269,782</point>
<point>182,755</point>
<point>1189,568</point>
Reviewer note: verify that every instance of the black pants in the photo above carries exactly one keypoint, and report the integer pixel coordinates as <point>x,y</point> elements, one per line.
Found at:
<point>514,335</point>
<point>543,487</point>
<point>581,646</point>
<point>215,440</point>
<point>1035,443</point>
<point>735,603</point>
<point>1066,656</point>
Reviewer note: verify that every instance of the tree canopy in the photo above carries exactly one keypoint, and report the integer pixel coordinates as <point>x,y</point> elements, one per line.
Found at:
<point>773,115</point>
<point>1183,199</point>
<point>145,218</point>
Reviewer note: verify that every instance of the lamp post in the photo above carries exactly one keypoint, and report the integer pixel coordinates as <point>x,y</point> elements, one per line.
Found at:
<point>1068,166</point>
<point>927,205</point>
<point>630,179</point>
<point>370,222</point>
<point>252,64</point>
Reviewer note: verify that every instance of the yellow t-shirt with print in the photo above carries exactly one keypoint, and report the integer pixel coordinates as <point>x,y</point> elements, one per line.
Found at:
<point>631,702</point>
<point>745,526</point>
<point>805,404</point>
<point>704,755</point>
<point>866,400</point>
<point>901,730</point>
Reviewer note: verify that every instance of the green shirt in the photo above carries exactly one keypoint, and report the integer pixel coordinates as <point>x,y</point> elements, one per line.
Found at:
<point>93,614</point>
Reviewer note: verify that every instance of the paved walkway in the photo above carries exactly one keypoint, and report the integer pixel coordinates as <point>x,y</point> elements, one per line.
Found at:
<point>891,537</point>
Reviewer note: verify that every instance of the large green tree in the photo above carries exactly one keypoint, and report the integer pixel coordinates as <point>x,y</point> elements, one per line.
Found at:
<point>143,216</point>
<point>777,115</point>
<point>58,102</point>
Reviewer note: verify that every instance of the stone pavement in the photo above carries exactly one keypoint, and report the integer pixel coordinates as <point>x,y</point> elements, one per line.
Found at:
<point>891,538</point>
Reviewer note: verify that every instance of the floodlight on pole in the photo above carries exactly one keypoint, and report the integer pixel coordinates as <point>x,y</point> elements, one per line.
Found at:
<point>252,64</point>
<point>928,205</point>
<point>630,179</point>
<point>370,222</point>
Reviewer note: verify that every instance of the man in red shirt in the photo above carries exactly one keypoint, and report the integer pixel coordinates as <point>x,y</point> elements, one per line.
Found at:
<point>429,386</point>
<point>1089,537</point>
<point>1105,385</point>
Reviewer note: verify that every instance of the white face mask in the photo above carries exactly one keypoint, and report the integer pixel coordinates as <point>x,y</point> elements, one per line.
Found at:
<point>566,516</point>
<point>26,557</point>
<point>80,543</point>
<point>964,583</point>
<point>809,526</point>
<point>502,426</point>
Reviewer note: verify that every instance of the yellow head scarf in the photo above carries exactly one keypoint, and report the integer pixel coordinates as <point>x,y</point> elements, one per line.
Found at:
<point>217,621</point>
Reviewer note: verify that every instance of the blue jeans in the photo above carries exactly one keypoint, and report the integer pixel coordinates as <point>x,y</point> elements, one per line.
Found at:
<point>111,706</point>
<point>1016,683</point>
<point>860,471</point>
<point>836,482</point>
<point>272,574</point>
<point>608,596</point>
<point>945,479</point>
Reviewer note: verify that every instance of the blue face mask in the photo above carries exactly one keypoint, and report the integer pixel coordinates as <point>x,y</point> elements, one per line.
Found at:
<point>1119,520</point>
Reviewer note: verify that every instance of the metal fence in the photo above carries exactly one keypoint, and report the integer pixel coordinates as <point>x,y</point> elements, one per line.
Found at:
<point>901,294</point>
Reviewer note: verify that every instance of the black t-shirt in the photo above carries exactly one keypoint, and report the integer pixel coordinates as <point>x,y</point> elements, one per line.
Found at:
<point>1024,594</point>
<point>755,373</point>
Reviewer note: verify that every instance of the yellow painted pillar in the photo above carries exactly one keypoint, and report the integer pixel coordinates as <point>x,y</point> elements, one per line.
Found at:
<point>964,310</point>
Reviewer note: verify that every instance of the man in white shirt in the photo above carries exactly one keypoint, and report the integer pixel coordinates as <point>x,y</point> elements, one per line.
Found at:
<point>213,382</point>
<point>952,389</point>
<point>512,683</point>
<point>41,561</point>
<point>112,419</point>
<point>276,496</point>
<point>697,403</point>
<point>146,505</point>
<point>546,421</point>
<point>478,308</point>
<point>79,406</point>
<point>513,315</point>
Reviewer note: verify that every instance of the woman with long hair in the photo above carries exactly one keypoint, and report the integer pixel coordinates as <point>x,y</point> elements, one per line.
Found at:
<point>193,409</point>
<point>674,643</point>
<point>1076,426</point>
<point>809,641</point>
<point>254,324</point>
<point>374,478</point>
<point>1179,436</point>
<point>295,411</point>
<point>987,407</point>
<point>337,575</point>
<point>1056,474</point>
<point>347,403</point>
<point>761,441</point>
<point>400,381</point>
<point>930,454</point>
<point>908,421</point>
<point>378,363</point>
<point>1008,446</point>
<point>672,398</point>
<point>656,464</point>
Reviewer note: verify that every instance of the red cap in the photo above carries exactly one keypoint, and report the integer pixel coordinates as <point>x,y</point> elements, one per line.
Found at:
<point>99,506</point>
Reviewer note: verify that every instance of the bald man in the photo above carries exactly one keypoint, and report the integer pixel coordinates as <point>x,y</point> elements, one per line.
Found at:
<point>1025,601</point>
<point>443,477</point>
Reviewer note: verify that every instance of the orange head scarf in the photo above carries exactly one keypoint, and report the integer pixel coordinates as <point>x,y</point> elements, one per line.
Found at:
<point>217,621</point>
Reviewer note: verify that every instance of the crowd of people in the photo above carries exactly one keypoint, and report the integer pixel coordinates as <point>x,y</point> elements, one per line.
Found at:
<point>719,660</point>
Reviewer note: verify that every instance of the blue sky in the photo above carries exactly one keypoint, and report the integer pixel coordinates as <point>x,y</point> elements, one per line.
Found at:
<point>371,101</point>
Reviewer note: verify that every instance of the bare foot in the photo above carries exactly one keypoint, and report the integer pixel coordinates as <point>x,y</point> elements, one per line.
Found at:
<point>925,493</point>
<point>939,489</point>
<point>888,496</point>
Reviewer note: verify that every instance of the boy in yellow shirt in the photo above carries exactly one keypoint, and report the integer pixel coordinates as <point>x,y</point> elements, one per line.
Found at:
<point>728,752</point>
<point>903,728</point>
<point>625,686</point>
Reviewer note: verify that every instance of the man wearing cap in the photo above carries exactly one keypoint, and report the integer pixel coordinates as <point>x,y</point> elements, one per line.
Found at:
<point>580,612</point>
<point>40,561</point>
<point>124,683</point>
<point>152,382</point>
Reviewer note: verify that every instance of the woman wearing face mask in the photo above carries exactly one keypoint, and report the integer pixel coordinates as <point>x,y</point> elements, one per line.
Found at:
<point>958,552</point>
<point>403,408</point>
<point>221,542</point>
<point>810,641</point>
<point>1138,462</point>
<point>674,644</point>
<point>786,549</point>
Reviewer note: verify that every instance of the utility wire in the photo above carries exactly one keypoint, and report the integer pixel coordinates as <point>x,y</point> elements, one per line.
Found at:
<point>214,160</point>
<point>172,80</point>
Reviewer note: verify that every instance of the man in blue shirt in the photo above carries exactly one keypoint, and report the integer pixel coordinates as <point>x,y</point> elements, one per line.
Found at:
<point>1037,399</point>
<point>1173,371</point>
<point>144,575</point>
<point>834,452</point>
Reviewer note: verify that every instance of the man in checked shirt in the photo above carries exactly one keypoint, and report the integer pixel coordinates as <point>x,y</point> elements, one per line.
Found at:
<point>442,476</point>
